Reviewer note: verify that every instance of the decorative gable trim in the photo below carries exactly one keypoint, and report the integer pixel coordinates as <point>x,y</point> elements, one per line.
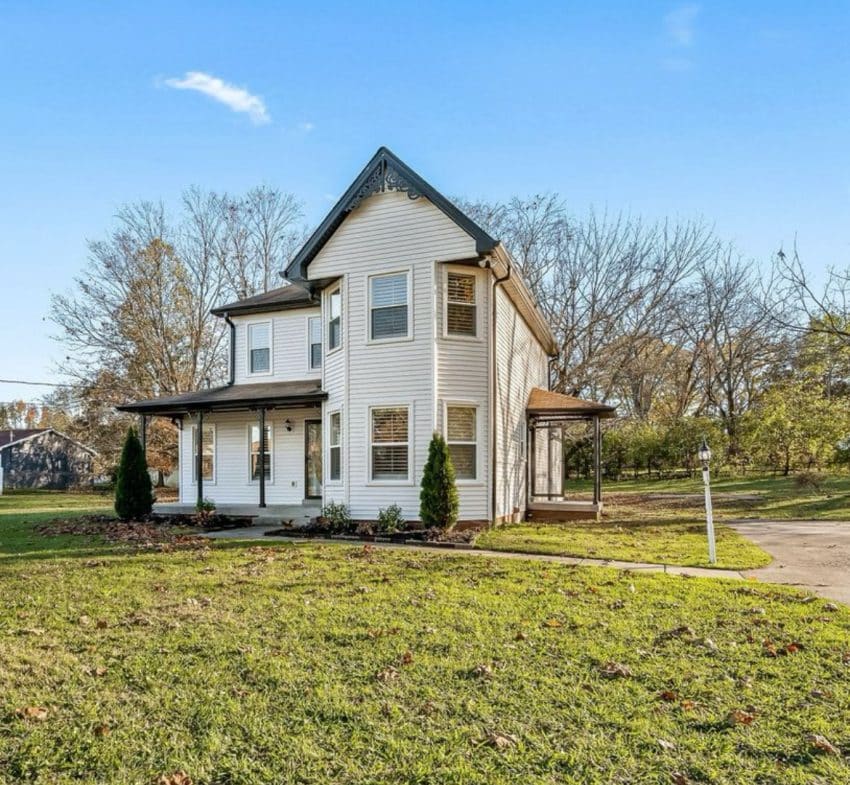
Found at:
<point>385,172</point>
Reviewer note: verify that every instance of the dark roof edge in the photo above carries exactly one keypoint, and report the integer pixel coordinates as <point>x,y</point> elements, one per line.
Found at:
<point>239,310</point>
<point>411,182</point>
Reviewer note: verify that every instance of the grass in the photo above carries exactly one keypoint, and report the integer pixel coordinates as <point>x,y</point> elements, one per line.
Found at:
<point>335,664</point>
<point>664,521</point>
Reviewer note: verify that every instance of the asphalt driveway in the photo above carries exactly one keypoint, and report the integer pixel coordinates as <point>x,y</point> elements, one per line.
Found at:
<point>813,555</point>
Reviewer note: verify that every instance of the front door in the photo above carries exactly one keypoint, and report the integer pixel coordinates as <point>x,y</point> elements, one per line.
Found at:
<point>313,459</point>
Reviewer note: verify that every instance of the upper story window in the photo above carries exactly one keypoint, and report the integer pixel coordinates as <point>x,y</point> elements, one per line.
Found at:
<point>390,445</point>
<point>461,309</point>
<point>334,319</point>
<point>388,306</point>
<point>335,446</point>
<point>259,347</point>
<point>462,440</point>
<point>314,332</point>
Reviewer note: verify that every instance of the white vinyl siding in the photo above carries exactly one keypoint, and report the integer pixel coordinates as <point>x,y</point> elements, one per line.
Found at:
<point>260,348</point>
<point>254,452</point>
<point>389,297</point>
<point>335,447</point>
<point>462,440</point>
<point>388,232</point>
<point>461,305</point>
<point>314,337</point>
<point>390,444</point>
<point>208,454</point>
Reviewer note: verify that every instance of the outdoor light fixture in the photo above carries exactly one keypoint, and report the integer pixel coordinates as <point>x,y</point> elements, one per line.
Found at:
<point>288,423</point>
<point>704,454</point>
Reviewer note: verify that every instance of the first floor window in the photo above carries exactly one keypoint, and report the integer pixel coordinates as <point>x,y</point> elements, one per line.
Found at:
<point>207,453</point>
<point>259,347</point>
<point>254,456</point>
<point>335,446</point>
<point>334,319</point>
<point>314,328</point>
<point>461,312</point>
<point>461,437</point>
<point>390,445</point>
<point>388,307</point>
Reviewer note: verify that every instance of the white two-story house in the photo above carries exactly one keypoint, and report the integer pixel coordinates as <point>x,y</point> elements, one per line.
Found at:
<point>400,317</point>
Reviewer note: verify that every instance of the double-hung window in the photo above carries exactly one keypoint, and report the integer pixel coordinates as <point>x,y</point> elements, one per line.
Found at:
<point>314,330</point>
<point>388,307</point>
<point>462,440</point>
<point>334,319</point>
<point>461,309</point>
<point>335,446</point>
<point>254,453</point>
<point>390,444</point>
<point>259,347</point>
<point>207,456</point>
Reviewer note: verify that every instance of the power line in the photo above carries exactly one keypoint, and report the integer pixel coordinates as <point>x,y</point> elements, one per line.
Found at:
<point>34,384</point>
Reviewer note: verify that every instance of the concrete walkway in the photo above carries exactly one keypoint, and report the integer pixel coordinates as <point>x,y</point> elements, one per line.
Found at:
<point>258,533</point>
<point>814,555</point>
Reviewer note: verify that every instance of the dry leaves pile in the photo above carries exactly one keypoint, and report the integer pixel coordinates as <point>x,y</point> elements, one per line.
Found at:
<point>141,534</point>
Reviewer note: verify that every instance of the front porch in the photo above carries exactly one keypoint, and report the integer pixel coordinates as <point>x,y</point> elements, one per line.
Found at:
<point>549,415</point>
<point>270,515</point>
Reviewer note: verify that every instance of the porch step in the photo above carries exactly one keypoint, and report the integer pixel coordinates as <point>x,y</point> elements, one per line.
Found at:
<point>564,510</point>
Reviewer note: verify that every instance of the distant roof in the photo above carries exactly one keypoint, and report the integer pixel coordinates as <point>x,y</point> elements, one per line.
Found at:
<point>17,434</point>
<point>233,397</point>
<point>385,171</point>
<point>280,299</point>
<point>543,403</point>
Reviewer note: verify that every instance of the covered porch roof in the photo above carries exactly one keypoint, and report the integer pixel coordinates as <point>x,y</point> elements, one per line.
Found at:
<point>233,398</point>
<point>548,404</point>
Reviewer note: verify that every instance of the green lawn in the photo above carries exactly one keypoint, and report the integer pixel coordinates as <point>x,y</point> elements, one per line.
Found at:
<point>664,521</point>
<point>337,664</point>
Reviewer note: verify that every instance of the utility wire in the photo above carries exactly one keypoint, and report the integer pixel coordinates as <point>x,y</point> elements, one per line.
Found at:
<point>34,384</point>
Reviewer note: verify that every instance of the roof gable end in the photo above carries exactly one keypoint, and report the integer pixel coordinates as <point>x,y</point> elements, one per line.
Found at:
<point>384,172</point>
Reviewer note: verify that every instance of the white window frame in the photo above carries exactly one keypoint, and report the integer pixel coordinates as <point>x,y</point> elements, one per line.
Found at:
<point>409,289</point>
<point>248,326</point>
<point>460,404</point>
<point>400,481</point>
<point>270,449</point>
<point>310,366</point>
<point>470,273</point>
<point>194,453</point>
<point>326,328</point>
<point>331,480</point>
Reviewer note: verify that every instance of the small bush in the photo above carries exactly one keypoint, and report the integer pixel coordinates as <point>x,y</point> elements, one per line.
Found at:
<point>390,519</point>
<point>438,499</point>
<point>133,494</point>
<point>809,480</point>
<point>337,516</point>
<point>205,512</point>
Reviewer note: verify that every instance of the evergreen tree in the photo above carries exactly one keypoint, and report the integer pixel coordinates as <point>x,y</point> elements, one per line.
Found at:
<point>133,495</point>
<point>438,500</point>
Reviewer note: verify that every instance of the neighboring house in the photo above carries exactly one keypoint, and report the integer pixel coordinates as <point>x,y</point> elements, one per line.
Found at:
<point>401,317</point>
<point>43,458</point>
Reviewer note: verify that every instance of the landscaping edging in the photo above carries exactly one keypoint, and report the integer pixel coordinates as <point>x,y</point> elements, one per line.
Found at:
<point>369,538</point>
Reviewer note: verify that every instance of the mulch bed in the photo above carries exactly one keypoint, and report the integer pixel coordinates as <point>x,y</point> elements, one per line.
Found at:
<point>159,534</point>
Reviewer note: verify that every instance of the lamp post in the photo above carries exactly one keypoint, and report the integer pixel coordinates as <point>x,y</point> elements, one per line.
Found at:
<point>705,458</point>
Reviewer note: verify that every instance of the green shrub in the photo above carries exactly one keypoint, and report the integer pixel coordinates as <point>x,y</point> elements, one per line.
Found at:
<point>390,519</point>
<point>438,500</point>
<point>337,516</point>
<point>133,495</point>
<point>205,512</point>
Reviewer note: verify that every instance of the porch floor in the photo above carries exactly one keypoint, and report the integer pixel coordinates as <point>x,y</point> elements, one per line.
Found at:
<point>271,514</point>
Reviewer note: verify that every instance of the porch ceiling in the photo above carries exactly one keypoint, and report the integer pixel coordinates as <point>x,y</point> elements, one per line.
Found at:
<point>233,398</point>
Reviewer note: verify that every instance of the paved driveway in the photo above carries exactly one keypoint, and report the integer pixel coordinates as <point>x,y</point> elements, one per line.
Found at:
<point>811,554</point>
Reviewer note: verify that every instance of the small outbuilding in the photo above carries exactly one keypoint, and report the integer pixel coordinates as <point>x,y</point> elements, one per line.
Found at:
<point>43,458</point>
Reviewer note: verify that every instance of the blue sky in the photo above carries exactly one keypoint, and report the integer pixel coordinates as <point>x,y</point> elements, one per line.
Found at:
<point>736,112</point>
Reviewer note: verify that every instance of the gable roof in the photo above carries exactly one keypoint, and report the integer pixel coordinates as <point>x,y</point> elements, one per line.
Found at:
<point>281,299</point>
<point>17,435</point>
<point>386,171</point>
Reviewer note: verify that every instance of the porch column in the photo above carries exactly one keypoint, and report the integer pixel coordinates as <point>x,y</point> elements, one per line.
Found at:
<point>143,434</point>
<point>532,460</point>
<point>199,459</point>
<point>597,461</point>
<point>262,457</point>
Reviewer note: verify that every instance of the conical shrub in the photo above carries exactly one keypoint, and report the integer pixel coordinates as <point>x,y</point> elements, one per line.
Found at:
<point>133,494</point>
<point>438,500</point>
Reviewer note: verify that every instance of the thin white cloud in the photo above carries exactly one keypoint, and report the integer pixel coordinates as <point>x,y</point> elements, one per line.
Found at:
<point>306,127</point>
<point>238,99</point>
<point>680,24</point>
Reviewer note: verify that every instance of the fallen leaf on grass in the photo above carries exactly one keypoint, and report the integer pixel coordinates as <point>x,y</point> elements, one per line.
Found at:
<point>666,745</point>
<point>407,658</point>
<point>102,730</point>
<point>482,671</point>
<point>683,631</point>
<point>822,744</point>
<point>830,606</point>
<point>739,717</point>
<point>615,670</point>
<point>668,695</point>
<point>679,778</point>
<point>387,674</point>
<point>552,623</point>
<point>520,636</point>
<point>501,741</point>
<point>175,778</point>
<point>35,713</point>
